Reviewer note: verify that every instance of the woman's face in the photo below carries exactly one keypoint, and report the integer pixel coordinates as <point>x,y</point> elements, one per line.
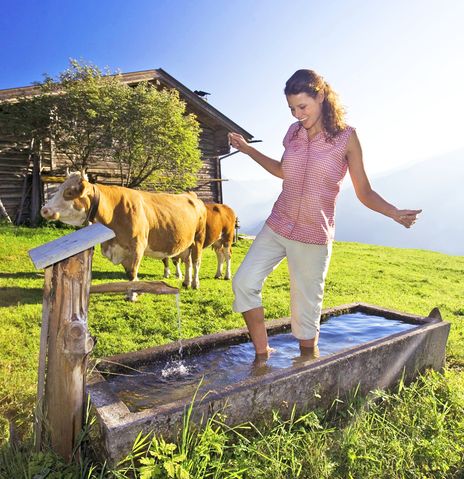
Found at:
<point>306,109</point>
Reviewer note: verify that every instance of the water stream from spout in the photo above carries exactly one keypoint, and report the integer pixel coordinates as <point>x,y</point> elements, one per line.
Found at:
<point>176,367</point>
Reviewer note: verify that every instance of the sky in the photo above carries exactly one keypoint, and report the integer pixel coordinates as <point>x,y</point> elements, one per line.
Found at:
<point>398,66</point>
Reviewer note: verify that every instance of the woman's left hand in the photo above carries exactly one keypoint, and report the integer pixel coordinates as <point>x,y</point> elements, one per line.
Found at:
<point>406,217</point>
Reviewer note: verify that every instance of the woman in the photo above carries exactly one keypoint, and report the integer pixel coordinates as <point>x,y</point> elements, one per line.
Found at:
<point>319,149</point>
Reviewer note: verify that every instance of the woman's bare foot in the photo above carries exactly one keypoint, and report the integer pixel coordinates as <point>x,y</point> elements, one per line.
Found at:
<point>260,366</point>
<point>264,355</point>
<point>307,355</point>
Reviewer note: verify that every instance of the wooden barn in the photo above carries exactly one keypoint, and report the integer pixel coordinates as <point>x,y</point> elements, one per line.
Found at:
<point>26,180</point>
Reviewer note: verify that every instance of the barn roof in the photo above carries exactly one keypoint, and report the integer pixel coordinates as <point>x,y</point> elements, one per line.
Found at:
<point>195,103</point>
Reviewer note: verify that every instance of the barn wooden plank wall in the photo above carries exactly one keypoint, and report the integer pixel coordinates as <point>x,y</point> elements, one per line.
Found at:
<point>208,189</point>
<point>104,170</point>
<point>14,171</point>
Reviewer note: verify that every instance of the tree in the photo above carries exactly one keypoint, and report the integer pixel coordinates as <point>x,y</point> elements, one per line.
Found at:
<point>25,120</point>
<point>155,140</point>
<point>90,115</point>
<point>81,104</point>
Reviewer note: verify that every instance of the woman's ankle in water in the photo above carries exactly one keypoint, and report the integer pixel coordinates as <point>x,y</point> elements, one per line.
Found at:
<point>309,343</point>
<point>311,352</point>
<point>265,353</point>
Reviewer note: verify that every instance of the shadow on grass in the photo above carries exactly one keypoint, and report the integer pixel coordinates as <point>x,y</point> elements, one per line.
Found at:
<point>14,295</point>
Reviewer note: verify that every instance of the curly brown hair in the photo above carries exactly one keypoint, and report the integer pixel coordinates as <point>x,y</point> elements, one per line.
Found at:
<point>333,113</point>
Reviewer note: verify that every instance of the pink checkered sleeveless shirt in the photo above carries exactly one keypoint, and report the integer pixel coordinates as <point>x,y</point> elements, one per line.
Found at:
<point>313,173</point>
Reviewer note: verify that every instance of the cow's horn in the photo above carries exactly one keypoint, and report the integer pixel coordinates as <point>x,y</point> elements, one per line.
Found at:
<point>84,174</point>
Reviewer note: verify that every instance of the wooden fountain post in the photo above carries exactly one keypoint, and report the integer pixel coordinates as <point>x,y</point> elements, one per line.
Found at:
<point>64,334</point>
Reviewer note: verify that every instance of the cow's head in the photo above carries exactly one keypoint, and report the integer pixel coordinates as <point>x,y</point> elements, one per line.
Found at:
<point>71,202</point>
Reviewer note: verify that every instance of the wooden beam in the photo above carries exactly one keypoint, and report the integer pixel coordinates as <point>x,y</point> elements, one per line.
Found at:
<point>154,287</point>
<point>36,194</point>
<point>52,179</point>
<point>4,213</point>
<point>19,213</point>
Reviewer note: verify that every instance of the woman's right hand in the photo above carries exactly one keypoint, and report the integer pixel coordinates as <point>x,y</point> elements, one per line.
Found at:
<point>274,167</point>
<point>237,141</point>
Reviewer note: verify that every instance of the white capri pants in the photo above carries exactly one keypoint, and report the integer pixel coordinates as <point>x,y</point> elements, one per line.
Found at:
<point>307,266</point>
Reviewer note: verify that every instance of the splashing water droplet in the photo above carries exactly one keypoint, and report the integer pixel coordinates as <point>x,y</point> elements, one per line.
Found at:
<point>175,369</point>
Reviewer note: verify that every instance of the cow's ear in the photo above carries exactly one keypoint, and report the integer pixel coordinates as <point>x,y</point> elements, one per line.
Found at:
<point>74,191</point>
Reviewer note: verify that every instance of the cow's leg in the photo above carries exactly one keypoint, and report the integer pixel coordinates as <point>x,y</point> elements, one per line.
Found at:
<point>197,249</point>
<point>176,261</point>
<point>186,257</point>
<point>167,272</point>
<point>220,259</point>
<point>131,265</point>
<point>227,252</point>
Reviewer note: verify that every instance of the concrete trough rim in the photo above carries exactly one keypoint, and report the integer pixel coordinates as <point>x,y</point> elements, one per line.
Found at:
<point>125,416</point>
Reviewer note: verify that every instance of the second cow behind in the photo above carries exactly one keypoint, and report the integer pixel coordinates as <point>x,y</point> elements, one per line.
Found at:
<point>220,229</point>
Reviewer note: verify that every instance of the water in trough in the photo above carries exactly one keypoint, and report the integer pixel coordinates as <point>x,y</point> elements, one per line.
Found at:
<point>161,382</point>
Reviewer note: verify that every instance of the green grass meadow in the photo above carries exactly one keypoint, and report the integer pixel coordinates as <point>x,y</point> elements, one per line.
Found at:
<point>413,431</point>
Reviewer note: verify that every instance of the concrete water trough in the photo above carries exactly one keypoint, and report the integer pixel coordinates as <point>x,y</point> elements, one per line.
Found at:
<point>128,391</point>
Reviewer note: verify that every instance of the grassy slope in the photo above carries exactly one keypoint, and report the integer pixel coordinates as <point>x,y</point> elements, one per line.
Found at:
<point>409,280</point>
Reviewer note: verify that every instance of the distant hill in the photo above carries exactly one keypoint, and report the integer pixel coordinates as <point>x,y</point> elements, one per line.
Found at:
<point>435,185</point>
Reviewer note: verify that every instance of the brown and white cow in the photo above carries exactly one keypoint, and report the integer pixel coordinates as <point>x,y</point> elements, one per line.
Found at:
<point>220,229</point>
<point>159,225</point>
